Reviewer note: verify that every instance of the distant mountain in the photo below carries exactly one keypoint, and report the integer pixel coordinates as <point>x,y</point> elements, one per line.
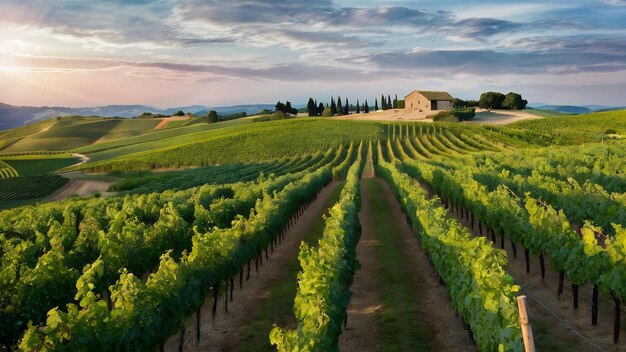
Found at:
<point>14,116</point>
<point>248,109</point>
<point>575,109</point>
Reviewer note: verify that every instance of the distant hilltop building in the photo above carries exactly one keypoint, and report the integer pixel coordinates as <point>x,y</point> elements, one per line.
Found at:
<point>423,100</point>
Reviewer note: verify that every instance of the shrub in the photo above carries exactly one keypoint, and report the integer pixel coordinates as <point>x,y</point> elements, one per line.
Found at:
<point>610,131</point>
<point>455,115</point>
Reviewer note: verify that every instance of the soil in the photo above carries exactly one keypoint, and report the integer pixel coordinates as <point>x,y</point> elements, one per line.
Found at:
<point>445,329</point>
<point>498,117</point>
<point>550,315</point>
<point>223,332</point>
<point>482,116</point>
<point>80,187</point>
<point>166,120</point>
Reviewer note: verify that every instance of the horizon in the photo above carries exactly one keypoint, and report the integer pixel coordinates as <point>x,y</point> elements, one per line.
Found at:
<point>167,53</point>
<point>303,104</point>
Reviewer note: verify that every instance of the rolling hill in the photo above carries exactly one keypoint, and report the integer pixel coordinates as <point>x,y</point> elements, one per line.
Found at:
<point>12,116</point>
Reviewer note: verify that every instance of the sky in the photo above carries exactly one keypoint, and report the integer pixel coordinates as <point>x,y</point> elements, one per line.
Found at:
<point>181,52</point>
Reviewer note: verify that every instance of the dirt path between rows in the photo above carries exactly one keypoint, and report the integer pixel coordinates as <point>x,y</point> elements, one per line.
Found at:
<point>550,315</point>
<point>223,333</point>
<point>445,328</point>
<point>80,187</point>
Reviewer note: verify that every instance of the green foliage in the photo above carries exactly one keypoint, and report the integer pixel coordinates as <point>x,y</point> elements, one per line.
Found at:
<point>179,113</point>
<point>286,109</point>
<point>474,271</point>
<point>132,232</point>
<point>177,287</point>
<point>514,101</point>
<point>458,103</point>
<point>30,187</point>
<point>455,115</point>
<point>212,117</point>
<point>491,100</point>
<point>323,295</point>
<point>311,108</point>
<point>253,143</point>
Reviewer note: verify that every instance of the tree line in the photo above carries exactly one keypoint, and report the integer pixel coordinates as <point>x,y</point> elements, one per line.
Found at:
<point>494,100</point>
<point>339,106</point>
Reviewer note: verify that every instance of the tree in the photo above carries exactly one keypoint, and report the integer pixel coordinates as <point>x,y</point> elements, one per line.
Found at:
<point>491,100</point>
<point>213,116</point>
<point>514,101</point>
<point>333,107</point>
<point>327,112</point>
<point>358,107</point>
<point>339,106</point>
<point>458,103</point>
<point>286,108</point>
<point>346,108</point>
<point>383,103</point>
<point>179,113</point>
<point>389,105</point>
<point>395,103</point>
<point>320,109</point>
<point>279,106</point>
<point>311,107</point>
<point>290,110</point>
<point>375,104</point>
<point>366,107</point>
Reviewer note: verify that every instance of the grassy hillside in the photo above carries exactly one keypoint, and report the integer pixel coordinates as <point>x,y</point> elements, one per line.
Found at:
<point>114,144</point>
<point>155,139</point>
<point>72,132</point>
<point>575,129</point>
<point>257,142</point>
<point>129,128</point>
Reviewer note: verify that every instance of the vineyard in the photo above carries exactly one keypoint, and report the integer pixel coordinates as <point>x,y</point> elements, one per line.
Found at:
<point>141,270</point>
<point>27,177</point>
<point>7,170</point>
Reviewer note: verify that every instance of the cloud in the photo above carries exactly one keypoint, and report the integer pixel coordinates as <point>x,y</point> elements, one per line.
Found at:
<point>615,2</point>
<point>303,24</point>
<point>196,72</point>
<point>490,62</point>
<point>209,41</point>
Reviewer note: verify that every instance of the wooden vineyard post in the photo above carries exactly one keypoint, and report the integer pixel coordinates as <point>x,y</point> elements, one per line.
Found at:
<point>527,332</point>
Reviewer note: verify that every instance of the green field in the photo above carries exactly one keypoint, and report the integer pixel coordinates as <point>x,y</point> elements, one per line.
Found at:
<point>37,165</point>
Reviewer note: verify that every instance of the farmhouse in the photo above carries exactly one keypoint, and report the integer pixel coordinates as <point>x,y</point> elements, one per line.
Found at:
<point>423,100</point>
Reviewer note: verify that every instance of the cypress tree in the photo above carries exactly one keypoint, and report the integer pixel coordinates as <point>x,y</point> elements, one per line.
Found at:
<point>383,103</point>
<point>389,106</point>
<point>320,109</point>
<point>339,107</point>
<point>366,107</point>
<point>395,103</point>
<point>311,107</point>
<point>333,107</point>
<point>358,108</point>
<point>375,105</point>
<point>346,108</point>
